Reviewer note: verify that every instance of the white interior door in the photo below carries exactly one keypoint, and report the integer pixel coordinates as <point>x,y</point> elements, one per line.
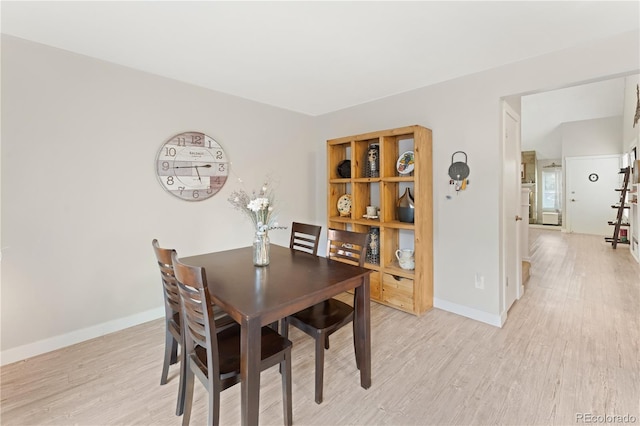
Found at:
<point>512,266</point>
<point>591,191</point>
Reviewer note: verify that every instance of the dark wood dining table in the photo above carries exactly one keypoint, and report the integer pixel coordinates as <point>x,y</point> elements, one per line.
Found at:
<point>255,296</point>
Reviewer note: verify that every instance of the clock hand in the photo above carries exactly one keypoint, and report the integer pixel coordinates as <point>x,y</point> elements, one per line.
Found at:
<point>191,167</point>
<point>199,179</point>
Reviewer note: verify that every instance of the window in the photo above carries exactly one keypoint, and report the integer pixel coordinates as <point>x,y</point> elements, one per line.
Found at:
<point>551,190</point>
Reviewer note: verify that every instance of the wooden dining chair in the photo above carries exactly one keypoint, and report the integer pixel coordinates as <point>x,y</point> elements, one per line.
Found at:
<point>214,356</point>
<point>173,322</point>
<point>173,334</point>
<point>305,237</point>
<point>325,318</point>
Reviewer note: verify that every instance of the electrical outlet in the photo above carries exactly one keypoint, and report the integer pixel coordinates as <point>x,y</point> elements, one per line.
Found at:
<point>479,282</point>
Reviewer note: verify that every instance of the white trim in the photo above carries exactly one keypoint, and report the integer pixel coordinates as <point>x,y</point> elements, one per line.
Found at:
<point>504,218</point>
<point>474,314</point>
<point>50,344</point>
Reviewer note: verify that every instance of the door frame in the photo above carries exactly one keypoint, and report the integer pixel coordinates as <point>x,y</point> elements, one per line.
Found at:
<point>506,219</point>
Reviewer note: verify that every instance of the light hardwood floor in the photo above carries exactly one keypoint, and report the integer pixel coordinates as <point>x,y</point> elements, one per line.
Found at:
<point>570,346</point>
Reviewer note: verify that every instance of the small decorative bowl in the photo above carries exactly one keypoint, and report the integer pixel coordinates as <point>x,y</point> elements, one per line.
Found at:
<point>344,169</point>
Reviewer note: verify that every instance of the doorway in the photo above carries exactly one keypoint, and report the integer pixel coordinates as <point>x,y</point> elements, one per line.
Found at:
<point>543,115</point>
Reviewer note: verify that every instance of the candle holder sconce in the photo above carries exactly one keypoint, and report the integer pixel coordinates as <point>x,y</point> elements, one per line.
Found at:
<point>459,172</point>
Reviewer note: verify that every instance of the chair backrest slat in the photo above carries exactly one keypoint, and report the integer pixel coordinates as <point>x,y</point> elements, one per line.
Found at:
<point>197,312</point>
<point>347,246</point>
<point>305,237</point>
<point>195,322</point>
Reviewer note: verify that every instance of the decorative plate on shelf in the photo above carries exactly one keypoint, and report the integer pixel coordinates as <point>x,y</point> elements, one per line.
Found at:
<point>344,205</point>
<point>344,169</point>
<point>405,163</point>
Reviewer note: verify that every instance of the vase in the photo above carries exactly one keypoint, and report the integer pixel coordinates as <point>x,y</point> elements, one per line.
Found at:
<point>261,249</point>
<point>406,259</point>
<point>406,207</point>
<point>373,161</point>
<point>373,249</point>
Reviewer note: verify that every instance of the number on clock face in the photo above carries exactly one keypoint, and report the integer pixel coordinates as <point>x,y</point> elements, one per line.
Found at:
<point>192,166</point>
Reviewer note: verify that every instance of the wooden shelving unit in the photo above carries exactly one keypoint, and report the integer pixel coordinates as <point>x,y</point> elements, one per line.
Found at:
<point>621,207</point>
<point>408,290</point>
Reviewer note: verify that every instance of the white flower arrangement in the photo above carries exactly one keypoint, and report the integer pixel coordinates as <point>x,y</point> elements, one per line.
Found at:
<point>259,207</point>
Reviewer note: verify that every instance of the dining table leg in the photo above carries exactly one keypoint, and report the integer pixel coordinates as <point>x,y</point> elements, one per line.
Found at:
<point>250,347</point>
<point>363,331</point>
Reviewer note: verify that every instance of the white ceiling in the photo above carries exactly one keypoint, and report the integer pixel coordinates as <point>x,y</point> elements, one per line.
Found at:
<point>315,57</point>
<point>543,113</point>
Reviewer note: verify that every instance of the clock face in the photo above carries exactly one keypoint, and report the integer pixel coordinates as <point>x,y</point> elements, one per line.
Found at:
<point>192,166</point>
<point>344,205</point>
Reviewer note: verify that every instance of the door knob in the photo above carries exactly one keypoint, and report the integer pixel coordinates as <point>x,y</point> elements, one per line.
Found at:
<point>518,218</point>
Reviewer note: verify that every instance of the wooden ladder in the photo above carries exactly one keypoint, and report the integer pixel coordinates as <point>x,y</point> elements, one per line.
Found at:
<point>620,206</point>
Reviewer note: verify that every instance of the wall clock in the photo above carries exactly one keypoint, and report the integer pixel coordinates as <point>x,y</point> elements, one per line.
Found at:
<point>192,166</point>
<point>344,205</point>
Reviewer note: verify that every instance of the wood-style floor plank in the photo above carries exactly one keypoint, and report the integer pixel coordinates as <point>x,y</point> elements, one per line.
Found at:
<point>570,345</point>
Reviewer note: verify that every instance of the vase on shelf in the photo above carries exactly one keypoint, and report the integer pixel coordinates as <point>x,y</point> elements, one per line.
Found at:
<point>373,161</point>
<point>406,207</point>
<point>373,249</point>
<point>261,248</point>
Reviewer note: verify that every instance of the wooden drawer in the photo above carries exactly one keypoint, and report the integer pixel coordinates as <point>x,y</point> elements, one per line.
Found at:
<point>398,291</point>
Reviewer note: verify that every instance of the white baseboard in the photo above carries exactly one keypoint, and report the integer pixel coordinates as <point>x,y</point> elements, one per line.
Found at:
<point>474,314</point>
<point>51,344</point>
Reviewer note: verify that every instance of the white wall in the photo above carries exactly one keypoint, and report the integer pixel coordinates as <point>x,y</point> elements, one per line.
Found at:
<point>630,134</point>
<point>81,202</point>
<point>544,113</point>
<point>591,137</point>
<point>464,114</point>
<point>601,136</point>
<point>79,140</point>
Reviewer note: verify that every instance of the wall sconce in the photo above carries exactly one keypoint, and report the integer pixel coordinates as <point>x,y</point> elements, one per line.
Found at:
<point>459,172</point>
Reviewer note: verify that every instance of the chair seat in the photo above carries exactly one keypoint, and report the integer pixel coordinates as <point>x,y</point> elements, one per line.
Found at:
<point>229,348</point>
<point>324,315</point>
